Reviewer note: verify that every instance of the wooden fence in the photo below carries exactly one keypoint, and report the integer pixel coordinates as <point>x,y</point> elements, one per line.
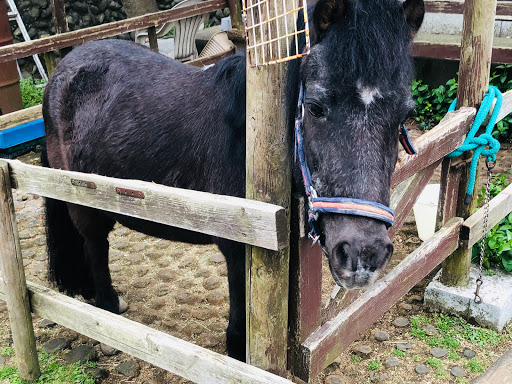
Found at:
<point>442,46</point>
<point>317,336</point>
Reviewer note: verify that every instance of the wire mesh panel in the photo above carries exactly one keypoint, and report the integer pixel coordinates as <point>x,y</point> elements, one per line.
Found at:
<point>270,28</point>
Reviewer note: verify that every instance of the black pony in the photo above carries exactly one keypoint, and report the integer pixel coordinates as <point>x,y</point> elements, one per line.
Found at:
<point>101,117</point>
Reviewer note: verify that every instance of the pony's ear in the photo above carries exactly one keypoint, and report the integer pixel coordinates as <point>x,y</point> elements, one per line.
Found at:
<point>326,12</point>
<point>414,10</point>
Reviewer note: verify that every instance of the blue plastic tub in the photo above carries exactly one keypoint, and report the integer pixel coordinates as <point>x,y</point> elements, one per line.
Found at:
<point>21,134</point>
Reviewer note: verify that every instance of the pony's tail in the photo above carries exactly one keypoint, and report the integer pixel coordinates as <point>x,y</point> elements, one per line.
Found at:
<point>66,259</point>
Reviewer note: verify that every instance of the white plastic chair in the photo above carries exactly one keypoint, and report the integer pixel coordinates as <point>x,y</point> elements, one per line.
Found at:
<point>184,47</point>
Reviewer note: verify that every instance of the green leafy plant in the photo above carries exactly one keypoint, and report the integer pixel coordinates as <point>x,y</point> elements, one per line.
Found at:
<point>398,353</point>
<point>355,359</point>
<point>498,242</point>
<point>31,92</point>
<point>373,365</point>
<point>431,105</point>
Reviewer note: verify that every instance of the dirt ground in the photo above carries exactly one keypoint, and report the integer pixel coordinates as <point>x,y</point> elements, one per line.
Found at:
<point>182,290</point>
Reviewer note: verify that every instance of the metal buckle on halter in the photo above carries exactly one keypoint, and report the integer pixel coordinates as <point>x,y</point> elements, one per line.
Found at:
<point>312,195</point>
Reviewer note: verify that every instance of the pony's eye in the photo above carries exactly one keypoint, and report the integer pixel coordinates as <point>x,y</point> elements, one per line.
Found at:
<point>315,110</point>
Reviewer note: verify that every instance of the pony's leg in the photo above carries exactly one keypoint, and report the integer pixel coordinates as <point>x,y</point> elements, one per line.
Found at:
<point>94,227</point>
<point>235,333</point>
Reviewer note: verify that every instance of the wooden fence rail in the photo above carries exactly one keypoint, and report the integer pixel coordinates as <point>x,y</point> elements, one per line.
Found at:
<point>67,39</point>
<point>327,342</point>
<point>242,220</point>
<point>504,8</point>
<point>165,351</point>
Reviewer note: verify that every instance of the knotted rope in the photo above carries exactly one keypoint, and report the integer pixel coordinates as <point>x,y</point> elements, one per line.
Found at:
<point>480,143</point>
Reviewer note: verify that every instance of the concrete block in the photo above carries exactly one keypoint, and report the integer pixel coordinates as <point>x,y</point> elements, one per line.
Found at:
<point>496,292</point>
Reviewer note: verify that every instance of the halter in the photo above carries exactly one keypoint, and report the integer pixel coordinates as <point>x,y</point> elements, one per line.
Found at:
<point>343,205</point>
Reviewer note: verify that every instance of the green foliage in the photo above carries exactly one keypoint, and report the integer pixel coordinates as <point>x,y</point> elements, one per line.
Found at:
<point>31,94</point>
<point>498,243</point>
<point>433,104</point>
<point>453,356</point>
<point>452,330</point>
<point>373,365</point>
<point>434,363</point>
<point>355,358</point>
<point>398,353</point>
<point>52,371</point>
<point>476,365</point>
<point>502,78</point>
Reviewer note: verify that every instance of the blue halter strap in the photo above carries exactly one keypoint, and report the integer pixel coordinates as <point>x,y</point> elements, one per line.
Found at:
<point>343,205</point>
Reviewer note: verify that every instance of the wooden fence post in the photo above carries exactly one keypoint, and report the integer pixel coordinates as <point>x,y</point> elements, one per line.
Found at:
<point>268,179</point>
<point>60,22</point>
<point>13,276</point>
<point>474,69</point>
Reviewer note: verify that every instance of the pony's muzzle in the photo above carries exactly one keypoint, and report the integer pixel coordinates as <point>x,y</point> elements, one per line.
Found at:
<point>358,251</point>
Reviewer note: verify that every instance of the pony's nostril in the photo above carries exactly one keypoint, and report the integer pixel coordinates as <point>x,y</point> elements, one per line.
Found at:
<point>342,256</point>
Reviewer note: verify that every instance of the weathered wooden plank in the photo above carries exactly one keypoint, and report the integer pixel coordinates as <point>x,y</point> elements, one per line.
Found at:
<point>451,170</point>
<point>190,361</point>
<point>435,144</point>
<point>474,67</point>
<point>499,207</point>
<point>457,6</point>
<point>67,39</point>
<point>325,344</point>
<point>406,194</point>
<point>23,116</point>
<point>447,47</point>
<point>233,218</point>
<point>13,276</point>
<point>268,178</point>
<point>306,280</point>
<point>506,107</point>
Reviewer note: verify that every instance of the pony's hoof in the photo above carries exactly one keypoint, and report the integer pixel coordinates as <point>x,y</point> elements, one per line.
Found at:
<point>123,306</point>
<point>107,350</point>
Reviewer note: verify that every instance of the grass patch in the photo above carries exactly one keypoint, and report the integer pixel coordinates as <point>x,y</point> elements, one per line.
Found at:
<point>398,353</point>
<point>476,365</point>
<point>52,371</point>
<point>452,330</point>
<point>355,359</point>
<point>434,362</point>
<point>453,356</point>
<point>374,365</point>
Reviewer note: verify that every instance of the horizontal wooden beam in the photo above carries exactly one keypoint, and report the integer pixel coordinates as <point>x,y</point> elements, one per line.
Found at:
<point>243,220</point>
<point>504,8</point>
<point>68,39</point>
<point>22,116</point>
<point>325,344</point>
<point>448,135</point>
<point>447,47</point>
<point>185,359</point>
<point>506,107</point>
<point>499,207</point>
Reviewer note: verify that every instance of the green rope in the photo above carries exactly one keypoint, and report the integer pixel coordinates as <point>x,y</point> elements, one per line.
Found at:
<point>479,144</point>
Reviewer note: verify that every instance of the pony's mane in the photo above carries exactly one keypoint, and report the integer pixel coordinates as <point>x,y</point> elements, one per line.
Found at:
<point>369,42</point>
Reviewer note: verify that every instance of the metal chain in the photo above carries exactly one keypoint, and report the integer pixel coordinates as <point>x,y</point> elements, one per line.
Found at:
<point>479,281</point>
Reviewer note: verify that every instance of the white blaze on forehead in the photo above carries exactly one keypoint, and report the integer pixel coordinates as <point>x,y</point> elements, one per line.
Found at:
<point>367,94</point>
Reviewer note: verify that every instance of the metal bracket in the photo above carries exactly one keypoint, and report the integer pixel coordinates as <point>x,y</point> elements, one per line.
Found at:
<point>83,183</point>
<point>130,192</point>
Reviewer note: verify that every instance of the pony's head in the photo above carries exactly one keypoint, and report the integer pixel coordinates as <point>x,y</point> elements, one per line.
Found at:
<point>356,83</point>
